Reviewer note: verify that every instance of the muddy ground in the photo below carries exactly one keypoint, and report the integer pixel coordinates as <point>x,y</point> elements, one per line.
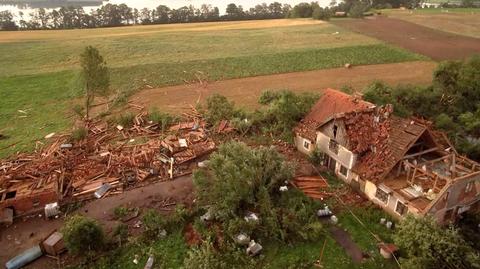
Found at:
<point>437,45</point>
<point>28,232</point>
<point>245,91</point>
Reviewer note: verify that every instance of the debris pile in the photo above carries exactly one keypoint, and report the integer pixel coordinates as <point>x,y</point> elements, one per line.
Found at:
<point>108,160</point>
<point>313,187</point>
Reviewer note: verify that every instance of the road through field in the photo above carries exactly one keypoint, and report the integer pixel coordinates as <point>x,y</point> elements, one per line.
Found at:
<point>245,91</point>
<point>435,44</point>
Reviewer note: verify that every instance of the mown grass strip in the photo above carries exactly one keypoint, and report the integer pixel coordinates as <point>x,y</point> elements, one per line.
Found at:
<point>158,75</point>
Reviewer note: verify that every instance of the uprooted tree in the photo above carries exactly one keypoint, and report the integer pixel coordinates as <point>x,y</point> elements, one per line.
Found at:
<point>240,179</point>
<point>95,76</point>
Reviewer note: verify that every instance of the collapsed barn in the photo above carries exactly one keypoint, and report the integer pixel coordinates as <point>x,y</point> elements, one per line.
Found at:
<point>109,160</point>
<point>401,164</point>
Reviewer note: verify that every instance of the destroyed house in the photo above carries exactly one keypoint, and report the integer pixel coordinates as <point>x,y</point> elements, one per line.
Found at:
<point>400,164</point>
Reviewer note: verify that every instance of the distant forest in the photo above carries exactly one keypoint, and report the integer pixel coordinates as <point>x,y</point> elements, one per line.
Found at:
<point>112,15</point>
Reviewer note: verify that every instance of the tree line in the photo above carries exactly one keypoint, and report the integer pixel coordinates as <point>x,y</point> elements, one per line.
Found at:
<point>111,15</point>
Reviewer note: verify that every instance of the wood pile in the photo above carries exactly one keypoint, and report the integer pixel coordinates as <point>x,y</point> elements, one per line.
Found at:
<point>313,187</point>
<point>118,155</point>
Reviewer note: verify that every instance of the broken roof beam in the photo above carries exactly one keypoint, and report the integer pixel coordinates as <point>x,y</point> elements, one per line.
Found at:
<point>467,176</point>
<point>420,153</point>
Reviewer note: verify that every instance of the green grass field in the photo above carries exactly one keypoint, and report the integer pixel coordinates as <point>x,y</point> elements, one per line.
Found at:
<point>40,70</point>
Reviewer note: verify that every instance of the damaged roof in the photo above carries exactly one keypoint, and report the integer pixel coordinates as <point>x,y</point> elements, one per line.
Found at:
<point>331,103</point>
<point>382,144</point>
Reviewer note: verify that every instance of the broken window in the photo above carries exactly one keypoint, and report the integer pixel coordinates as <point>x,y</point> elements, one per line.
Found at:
<point>306,144</point>
<point>401,208</point>
<point>333,146</point>
<point>382,195</point>
<point>10,195</point>
<point>335,129</point>
<point>343,171</point>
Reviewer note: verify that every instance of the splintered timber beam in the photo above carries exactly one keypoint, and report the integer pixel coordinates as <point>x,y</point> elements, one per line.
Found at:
<point>420,153</point>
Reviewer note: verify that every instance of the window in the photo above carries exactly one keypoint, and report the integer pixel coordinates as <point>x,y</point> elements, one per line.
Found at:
<point>306,144</point>
<point>333,146</point>
<point>343,171</point>
<point>469,187</point>
<point>11,195</point>
<point>382,195</point>
<point>335,129</point>
<point>401,208</point>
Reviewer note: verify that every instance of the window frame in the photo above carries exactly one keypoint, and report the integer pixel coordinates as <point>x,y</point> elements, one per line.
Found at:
<point>379,199</point>
<point>333,146</point>
<point>305,142</point>
<point>405,208</point>
<point>346,171</point>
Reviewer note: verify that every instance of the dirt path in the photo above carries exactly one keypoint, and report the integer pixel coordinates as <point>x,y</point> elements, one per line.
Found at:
<point>26,233</point>
<point>435,44</point>
<point>245,91</point>
<point>343,239</point>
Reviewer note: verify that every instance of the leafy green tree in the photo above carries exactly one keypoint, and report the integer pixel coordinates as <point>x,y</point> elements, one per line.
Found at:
<point>82,235</point>
<point>358,9</point>
<point>285,109</point>
<point>430,246</point>
<point>6,21</point>
<point>320,13</point>
<point>240,179</point>
<point>303,10</point>
<point>95,75</point>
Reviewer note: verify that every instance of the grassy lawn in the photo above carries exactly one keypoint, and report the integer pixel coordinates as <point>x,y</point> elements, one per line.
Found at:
<point>462,21</point>
<point>171,251</point>
<point>168,253</point>
<point>41,76</point>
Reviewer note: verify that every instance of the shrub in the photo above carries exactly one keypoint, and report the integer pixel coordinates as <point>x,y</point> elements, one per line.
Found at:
<point>268,96</point>
<point>219,108</point>
<point>316,157</point>
<point>164,120</point>
<point>126,119</point>
<point>120,233</point>
<point>154,225</point>
<point>79,134</point>
<point>82,235</point>
<point>120,212</point>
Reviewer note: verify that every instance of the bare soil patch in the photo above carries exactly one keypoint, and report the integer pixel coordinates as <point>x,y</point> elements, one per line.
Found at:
<point>435,44</point>
<point>245,91</point>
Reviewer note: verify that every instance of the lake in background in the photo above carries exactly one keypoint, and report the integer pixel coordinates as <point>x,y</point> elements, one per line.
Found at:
<point>139,4</point>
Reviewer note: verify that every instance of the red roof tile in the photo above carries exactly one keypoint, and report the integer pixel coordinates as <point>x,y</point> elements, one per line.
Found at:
<point>334,102</point>
<point>330,104</point>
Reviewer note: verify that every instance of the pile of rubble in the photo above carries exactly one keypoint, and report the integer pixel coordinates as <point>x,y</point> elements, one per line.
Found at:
<point>108,160</point>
